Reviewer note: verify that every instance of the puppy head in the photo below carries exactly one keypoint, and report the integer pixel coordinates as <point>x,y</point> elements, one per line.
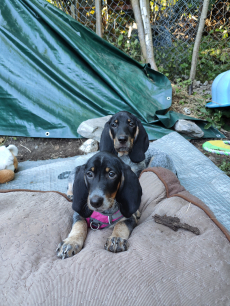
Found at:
<point>103,182</point>
<point>125,134</point>
<point>102,178</point>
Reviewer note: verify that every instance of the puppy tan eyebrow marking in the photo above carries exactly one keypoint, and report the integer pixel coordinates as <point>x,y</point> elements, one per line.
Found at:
<point>110,134</point>
<point>107,169</point>
<point>113,195</point>
<point>129,120</point>
<point>92,169</point>
<point>116,121</point>
<point>137,133</point>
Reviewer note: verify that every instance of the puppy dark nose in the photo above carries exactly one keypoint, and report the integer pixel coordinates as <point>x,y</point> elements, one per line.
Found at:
<point>122,139</point>
<point>96,201</point>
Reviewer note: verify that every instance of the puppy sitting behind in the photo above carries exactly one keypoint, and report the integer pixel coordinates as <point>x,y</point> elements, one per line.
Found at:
<point>125,136</point>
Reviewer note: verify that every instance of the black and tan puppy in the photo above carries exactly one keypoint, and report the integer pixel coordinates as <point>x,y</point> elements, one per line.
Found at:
<point>107,186</point>
<point>124,134</point>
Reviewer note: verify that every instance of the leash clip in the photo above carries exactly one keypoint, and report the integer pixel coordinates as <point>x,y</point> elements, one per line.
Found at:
<point>94,229</point>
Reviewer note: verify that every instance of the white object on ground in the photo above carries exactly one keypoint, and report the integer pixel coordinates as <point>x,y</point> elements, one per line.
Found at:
<point>189,128</point>
<point>93,128</point>
<point>6,157</point>
<point>89,146</point>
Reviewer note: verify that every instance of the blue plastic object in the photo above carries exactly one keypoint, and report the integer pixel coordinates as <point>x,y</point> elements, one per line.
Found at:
<point>220,91</point>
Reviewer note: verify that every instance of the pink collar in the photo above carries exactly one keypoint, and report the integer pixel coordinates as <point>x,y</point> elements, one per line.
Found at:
<point>99,221</point>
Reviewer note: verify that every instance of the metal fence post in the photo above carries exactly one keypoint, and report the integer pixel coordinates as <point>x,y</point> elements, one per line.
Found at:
<point>197,43</point>
<point>98,17</point>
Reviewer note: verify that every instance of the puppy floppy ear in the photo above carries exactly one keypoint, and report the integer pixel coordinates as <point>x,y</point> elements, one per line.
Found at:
<point>140,145</point>
<point>106,141</point>
<point>129,193</point>
<point>80,194</point>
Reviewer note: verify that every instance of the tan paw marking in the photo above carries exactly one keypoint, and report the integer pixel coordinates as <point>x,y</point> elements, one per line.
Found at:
<point>116,244</point>
<point>68,248</point>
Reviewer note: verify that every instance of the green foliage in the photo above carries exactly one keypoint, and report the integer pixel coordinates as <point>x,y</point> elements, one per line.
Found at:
<point>213,58</point>
<point>214,50</point>
<point>183,84</point>
<point>215,117</point>
<point>131,47</point>
<point>225,166</point>
<point>116,32</point>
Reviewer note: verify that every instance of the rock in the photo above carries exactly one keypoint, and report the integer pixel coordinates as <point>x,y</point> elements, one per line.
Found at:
<point>189,128</point>
<point>202,89</point>
<point>89,146</point>
<point>223,131</point>
<point>199,91</point>
<point>187,111</point>
<point>196,84</point>
<point>212,158</point>
<point>93,128</point>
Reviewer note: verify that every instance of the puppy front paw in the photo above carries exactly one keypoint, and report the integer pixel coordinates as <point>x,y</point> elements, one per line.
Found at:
<point>68,248</point>
<point>70,196</point>
<point>116,244</point>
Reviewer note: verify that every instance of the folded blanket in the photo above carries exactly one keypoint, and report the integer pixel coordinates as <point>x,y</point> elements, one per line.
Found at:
<point>161,266</point>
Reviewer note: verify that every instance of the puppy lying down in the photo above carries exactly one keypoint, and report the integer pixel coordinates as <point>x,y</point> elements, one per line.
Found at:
<point>105,192</point>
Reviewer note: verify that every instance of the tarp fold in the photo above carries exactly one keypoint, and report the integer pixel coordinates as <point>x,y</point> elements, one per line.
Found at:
<point>56,73</point>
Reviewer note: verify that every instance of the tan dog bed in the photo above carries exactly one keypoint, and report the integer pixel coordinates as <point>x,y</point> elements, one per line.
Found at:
<point>161,266</point>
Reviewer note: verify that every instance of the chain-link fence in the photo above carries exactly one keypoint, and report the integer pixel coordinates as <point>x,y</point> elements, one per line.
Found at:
<point>174,26</point>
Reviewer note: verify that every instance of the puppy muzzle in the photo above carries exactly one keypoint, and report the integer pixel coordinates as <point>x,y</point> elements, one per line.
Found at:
<point>96,201</point>
<point>124,145</point>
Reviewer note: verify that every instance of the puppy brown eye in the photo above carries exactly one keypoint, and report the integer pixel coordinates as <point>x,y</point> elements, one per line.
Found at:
<point>112,174</point>
<point>90,174</point>
<point>113,124</point>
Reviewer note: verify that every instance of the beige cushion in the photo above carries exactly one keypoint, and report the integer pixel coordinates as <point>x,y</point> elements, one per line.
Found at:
<point>161,266</point>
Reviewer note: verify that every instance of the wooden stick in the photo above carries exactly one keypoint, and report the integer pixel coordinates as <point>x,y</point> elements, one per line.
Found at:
<point>174,223</point>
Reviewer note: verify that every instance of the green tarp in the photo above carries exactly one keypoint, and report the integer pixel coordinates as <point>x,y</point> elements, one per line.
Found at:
<point>56,73</point>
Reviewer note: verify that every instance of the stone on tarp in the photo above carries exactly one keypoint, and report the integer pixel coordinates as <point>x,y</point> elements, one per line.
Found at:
<point>93,128</point>
<point>189,128</point>
<point>89,146</point>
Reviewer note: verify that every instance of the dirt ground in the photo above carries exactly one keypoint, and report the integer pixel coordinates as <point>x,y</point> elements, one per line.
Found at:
<point>43,148</point>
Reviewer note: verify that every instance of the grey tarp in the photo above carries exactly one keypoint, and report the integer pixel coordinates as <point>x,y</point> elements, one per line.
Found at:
<point>196,173</point>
